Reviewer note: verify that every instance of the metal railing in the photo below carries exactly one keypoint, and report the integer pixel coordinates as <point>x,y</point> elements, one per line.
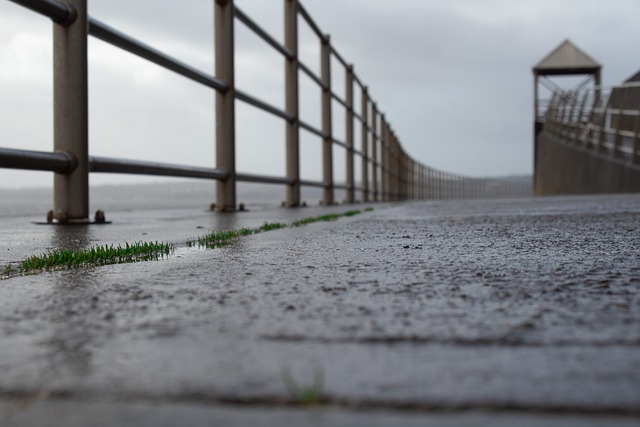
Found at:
<point>605,120</point>
<point>387,171</point>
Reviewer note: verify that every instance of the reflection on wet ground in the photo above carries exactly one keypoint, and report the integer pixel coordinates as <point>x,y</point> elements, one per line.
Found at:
<point>530,304</point>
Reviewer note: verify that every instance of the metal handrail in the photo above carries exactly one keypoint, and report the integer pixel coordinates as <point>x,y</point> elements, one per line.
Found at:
<point>394,175</point>
<point>243,96</point>
<point>36,160</point>
<point>141,167</point>
<point>116,38</point>
<point>242,17</point>
<point>59,12</point>
<point>594,127</point>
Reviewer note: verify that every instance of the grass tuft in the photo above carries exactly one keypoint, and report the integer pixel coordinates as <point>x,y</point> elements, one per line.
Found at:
<point>214,239</point>
<point>306,395</point>
<point>352,213</point>
<point>6,272</point>
<point>268,226</point>
<point>145,251</point>
<point>97,255</point>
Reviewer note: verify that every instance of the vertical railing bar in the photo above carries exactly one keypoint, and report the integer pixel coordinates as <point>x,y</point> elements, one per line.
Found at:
<point>225,105</point>
<point>349,133</point>
<point>635,156</point>
<point>364,134</point>
<point>374,151</point>
<point>71,116</point>
<point>617,142</point>
<point>327,141</point>
<point>292,97</point>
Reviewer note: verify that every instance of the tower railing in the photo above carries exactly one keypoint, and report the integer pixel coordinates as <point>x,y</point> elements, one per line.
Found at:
<point>605,120</point>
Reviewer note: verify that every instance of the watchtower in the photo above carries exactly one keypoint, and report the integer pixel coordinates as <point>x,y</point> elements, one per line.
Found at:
<point>565,60</point>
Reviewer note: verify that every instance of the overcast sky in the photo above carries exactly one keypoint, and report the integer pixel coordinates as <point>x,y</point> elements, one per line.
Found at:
<point>452,77</point>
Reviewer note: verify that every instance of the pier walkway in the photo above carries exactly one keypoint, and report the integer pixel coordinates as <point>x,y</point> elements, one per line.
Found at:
<point>466,313</point>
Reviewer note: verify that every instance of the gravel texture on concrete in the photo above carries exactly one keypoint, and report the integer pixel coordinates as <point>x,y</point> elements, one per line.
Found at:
<point>513,311</point>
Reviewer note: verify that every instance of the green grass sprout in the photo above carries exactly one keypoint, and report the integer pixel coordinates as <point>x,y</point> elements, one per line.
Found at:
<point>268,226</point>
<point>145,251</point>
<point>353,212</point>
<point>6,271</point>
<point>97,255</point>
<point>215,239</point>
<point>307,395</point>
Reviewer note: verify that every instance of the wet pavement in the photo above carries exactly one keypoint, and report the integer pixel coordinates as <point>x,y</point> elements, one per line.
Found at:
<point>501,312</point>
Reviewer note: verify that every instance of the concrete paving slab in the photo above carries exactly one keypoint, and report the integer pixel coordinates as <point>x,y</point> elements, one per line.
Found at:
<point>168,414</point>
<point>456,311</point>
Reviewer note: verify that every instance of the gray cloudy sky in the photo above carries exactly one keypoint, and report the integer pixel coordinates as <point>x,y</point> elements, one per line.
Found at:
<point>453,78</point>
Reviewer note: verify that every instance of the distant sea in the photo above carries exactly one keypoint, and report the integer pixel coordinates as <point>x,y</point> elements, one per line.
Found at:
<point>117,198</point>
<point>188,194</point>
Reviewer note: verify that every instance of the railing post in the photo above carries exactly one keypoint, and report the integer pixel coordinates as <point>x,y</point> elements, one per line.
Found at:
<point>365,143</point>
<point>635,156</point>
<point>578,129</point>
<point>621,116</point>
<point>327,141</point>
<point>412,179</point>
<point>349,133</point>
<point>569,127</point>
<point>395,178</point>
<point>225,105</point>
<point>423,186</point>
<point>384,151</point>
<point>374,152</point>
<point>292,102</point>
<point>70,116</point>
<point>390,168</point>
<point>389,162</point>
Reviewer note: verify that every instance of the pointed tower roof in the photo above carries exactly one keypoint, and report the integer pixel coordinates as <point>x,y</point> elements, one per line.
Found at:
<point>567,58</point>
<point>634,78</point>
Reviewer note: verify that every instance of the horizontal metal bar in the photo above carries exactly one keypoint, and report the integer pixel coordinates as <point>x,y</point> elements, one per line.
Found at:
<point>310,21</point>
<point>623,112</point>
<point>263,179</point>
<point>59,12</point>
<point>311,129</point>
<point>340,143</point>
<point>116,38</point>
<point>340,186</point>
<point>36,160</point>
<point>140,167</point>
<point>340,101</point>
<point>311,75</point>
<point>339,57</point>
<point>626,133</point>
<point>243,96</point>
<point>242,17</point>
<point>320,184</point>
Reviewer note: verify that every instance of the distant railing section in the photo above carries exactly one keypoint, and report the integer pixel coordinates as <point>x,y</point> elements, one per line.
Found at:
<point>387,171</point>
<point>604,120</point>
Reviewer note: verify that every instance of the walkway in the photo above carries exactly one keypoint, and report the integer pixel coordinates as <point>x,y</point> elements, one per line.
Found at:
<point>463,313</point>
